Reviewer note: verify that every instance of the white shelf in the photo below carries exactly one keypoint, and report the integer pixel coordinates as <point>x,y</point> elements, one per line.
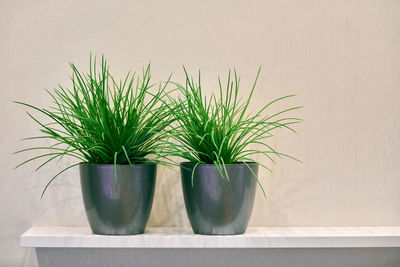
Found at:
<point>269,237</point>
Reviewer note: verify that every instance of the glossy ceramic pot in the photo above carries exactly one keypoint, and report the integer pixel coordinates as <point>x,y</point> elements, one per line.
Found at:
<point>216,205</point>
<point>118,206</point>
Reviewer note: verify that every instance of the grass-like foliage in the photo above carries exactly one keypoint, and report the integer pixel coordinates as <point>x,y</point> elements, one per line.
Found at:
<point>102,121</point>
<point>219,130</point>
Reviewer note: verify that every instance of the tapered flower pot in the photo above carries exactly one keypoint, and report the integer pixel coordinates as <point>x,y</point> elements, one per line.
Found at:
<point>119,207</point>
<point>215,205</point>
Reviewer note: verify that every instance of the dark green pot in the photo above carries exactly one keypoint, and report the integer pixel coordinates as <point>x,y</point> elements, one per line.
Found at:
<point>122,207</point>
<point>217,206</point>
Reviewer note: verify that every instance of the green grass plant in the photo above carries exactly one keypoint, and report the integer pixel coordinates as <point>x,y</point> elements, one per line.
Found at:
<point>102,121</point>
<point>220,130</point>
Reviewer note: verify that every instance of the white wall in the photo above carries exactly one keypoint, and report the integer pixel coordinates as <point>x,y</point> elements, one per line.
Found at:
<point>342,58</point>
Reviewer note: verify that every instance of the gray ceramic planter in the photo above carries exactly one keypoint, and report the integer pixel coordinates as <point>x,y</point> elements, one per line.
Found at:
<point>216,206</point>
<point>121,208</point>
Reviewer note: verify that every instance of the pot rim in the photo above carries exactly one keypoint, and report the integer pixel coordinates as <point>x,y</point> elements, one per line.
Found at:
<point>230,164</point>
<point>119,165</point>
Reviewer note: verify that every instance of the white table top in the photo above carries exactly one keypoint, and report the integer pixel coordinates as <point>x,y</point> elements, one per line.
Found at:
<point>265,237</point>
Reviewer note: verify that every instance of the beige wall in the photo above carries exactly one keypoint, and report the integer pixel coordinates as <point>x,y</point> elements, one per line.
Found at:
<point>342,58</point>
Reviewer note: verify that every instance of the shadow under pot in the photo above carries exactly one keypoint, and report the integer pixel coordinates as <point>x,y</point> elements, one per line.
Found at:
<point>216,205</point>
<point>118,206</point>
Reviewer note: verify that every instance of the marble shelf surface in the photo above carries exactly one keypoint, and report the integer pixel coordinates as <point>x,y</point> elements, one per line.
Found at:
<point>263,237</point>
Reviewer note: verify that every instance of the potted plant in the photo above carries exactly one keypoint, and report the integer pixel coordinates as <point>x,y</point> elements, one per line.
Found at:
<point>115,131</point>
<point>215,135</point>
